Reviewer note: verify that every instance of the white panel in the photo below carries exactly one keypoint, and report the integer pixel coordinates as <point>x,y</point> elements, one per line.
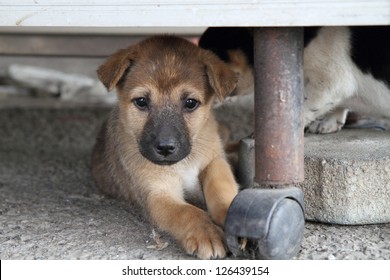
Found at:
<point>175,13</point>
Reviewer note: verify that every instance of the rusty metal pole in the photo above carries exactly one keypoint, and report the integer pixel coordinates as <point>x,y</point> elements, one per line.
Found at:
<point>279,131</point>
<point>273,219</point>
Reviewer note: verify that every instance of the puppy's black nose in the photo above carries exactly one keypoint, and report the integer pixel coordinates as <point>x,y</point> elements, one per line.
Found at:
<point>166,147</point>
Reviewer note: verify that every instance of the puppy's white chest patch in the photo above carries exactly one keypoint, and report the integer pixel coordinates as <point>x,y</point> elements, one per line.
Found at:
<point>190,179</point>
<point>191,186</point>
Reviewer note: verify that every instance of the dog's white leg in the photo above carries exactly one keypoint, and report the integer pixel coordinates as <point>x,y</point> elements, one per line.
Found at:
<point>332,122</point>
<point>328,72</point>
<point>372,98</point>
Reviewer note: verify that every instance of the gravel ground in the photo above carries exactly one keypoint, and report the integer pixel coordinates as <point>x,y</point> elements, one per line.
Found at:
<point>50,209</point>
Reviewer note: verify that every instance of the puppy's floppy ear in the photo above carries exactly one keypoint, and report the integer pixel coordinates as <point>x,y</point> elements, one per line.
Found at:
<point>115,67</point>
<point>221,78</point>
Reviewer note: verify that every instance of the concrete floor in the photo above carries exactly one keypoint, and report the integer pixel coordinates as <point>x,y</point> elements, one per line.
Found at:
<point>50,209</point>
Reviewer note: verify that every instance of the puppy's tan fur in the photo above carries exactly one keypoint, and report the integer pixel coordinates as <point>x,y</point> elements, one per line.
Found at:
<point>168,69</point>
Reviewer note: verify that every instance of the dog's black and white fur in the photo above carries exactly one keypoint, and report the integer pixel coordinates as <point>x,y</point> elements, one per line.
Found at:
<point>345,68</point>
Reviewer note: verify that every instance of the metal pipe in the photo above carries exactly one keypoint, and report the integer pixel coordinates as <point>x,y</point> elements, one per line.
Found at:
<point>278,61</point>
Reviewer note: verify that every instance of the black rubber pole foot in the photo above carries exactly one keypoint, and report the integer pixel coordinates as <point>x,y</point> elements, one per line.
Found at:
<point>266,223</point>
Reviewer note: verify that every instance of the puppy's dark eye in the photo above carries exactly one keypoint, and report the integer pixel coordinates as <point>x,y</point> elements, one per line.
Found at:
<point>141,103</point>
<point>191,104</point>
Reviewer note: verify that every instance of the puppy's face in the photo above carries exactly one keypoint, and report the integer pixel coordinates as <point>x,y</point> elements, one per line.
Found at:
<point>166,88</point>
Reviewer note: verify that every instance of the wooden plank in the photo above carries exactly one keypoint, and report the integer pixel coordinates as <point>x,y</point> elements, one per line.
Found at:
<point>174,13</point>
<point>63,45</point>
<point>74,45</point>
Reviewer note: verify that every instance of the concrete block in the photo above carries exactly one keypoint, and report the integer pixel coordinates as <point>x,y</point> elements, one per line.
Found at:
<point>347,177</point>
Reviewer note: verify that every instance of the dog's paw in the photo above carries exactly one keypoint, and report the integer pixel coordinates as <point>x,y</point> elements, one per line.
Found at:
<point>205,241</point>
<point>331,123</point>
<point>324,127</point>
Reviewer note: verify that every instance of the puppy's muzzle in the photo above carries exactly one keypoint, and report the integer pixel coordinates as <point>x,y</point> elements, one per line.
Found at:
<point>165,139</point>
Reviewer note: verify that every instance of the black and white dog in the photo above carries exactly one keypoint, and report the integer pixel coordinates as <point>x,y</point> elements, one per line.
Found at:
<point>345,68</point>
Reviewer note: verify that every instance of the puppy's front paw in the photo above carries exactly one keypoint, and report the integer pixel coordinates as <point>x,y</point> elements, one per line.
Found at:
<point>191,226</point>
<point>205,240</point>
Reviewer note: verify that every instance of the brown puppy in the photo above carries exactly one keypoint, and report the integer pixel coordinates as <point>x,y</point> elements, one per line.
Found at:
<point>160,144</point>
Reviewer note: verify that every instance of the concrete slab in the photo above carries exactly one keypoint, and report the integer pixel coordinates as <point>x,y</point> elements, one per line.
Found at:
<point>347,176</point>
